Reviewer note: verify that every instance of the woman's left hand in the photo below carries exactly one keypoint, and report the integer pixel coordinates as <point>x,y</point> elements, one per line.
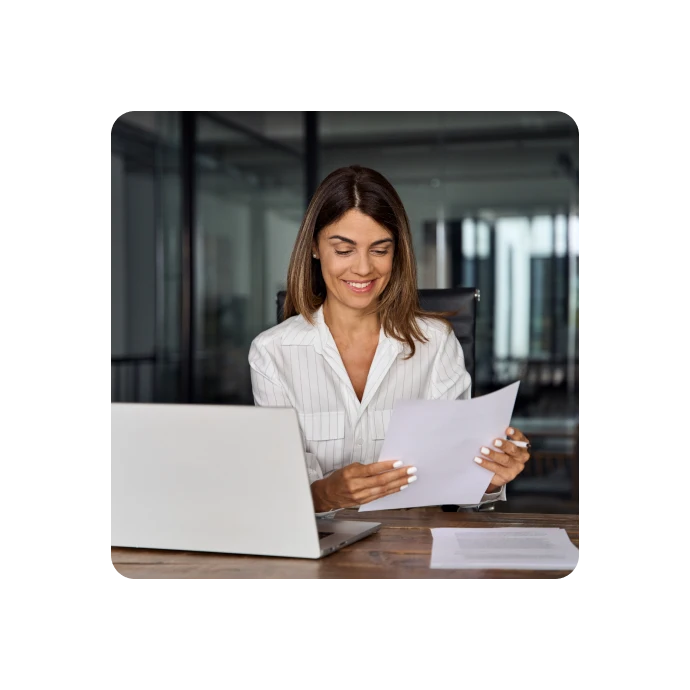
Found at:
<point>504,459</point>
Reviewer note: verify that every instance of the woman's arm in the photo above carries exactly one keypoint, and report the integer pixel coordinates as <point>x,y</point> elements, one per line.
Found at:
<point>449,379</point>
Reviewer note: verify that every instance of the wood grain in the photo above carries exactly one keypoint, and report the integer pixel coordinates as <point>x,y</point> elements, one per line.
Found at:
<point>400,549</point>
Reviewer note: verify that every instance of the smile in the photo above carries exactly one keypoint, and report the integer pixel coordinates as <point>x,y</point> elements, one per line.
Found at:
<point>360,287</point>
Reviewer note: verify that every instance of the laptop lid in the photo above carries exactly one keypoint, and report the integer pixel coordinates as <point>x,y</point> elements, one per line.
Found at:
<point>218,478</point>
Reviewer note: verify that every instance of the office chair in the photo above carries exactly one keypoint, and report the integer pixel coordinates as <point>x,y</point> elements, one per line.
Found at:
<point>462,301</point>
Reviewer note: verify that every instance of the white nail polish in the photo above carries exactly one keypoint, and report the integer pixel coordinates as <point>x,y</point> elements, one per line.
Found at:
<point>498,442</point>
<point>478,460</point>
<point>397,464</point>
<point>404,486</point>
<point>485,450</point>
<point>511,431</point>
<point>412,470</point>
<point>413,478</point>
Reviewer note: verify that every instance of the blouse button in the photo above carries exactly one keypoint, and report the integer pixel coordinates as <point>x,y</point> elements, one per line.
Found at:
<point>358,442</point>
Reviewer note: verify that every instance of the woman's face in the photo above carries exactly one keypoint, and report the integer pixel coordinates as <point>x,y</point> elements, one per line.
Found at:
<point>356,255</point>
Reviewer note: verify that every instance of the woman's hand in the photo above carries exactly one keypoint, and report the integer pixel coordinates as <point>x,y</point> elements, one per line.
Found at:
<point>505,460</point>
<point>356,484</point>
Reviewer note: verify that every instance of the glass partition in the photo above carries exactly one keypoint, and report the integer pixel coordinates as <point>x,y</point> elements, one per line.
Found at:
<point>249,204</point>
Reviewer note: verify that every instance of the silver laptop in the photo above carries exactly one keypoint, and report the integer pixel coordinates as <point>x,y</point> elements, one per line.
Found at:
<point>229,479</point>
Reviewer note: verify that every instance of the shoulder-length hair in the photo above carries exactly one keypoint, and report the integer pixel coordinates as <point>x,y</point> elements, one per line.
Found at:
<point>372,194</point>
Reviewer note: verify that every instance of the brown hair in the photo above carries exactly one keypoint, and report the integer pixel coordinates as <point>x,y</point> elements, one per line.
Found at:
<point>372,194</point>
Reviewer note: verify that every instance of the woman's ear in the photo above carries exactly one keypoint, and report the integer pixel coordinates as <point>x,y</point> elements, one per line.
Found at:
<point>314,250</point>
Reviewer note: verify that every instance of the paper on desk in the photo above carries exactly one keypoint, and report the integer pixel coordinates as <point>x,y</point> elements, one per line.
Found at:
<point>441,438</point>
<point>521,548</point>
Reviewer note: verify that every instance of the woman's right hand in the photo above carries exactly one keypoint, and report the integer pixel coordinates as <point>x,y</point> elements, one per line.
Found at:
<point>356,484</point>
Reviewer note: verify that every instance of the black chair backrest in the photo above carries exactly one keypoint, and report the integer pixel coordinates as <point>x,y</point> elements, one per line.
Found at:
<point>462,301</point>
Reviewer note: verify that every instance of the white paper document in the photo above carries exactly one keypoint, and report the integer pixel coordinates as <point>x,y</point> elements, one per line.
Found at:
<point>440,438</point>
<point>514,548</point>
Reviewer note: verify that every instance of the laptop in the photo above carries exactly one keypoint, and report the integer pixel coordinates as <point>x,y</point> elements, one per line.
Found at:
<point>228,479</point>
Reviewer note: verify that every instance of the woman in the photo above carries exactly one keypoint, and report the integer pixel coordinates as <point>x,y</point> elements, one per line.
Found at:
<point>355,340</point>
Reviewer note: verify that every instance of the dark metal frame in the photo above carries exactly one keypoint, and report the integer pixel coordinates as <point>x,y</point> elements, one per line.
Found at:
<point>311,154</point>
<point>188,177</point>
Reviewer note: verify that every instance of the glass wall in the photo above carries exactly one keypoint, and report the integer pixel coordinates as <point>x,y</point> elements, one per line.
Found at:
<point>145,257</point>
<point>249,204</point>
<point>249,199</point>
<point>169,260</point>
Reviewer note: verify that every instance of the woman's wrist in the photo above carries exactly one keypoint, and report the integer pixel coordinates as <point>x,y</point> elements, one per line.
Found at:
<point>321,503</point>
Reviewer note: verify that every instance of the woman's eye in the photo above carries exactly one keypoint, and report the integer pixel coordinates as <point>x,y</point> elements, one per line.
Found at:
<point>347,252</point>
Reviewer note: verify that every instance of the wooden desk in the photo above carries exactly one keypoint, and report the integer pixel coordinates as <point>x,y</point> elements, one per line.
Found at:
<point>400,549</point>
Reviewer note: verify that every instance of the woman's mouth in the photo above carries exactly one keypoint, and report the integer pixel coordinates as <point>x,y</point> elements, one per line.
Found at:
<point>360,287</point>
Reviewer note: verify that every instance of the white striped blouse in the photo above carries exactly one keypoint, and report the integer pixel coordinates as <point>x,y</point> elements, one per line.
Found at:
<point>296,364</point>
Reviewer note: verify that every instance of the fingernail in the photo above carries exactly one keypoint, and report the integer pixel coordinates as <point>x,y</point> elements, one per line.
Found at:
<point>511,431</point>
<point>404,486</point>
<point>478,461</point>
<point>485,450</point>
<point>412,479</point>
<point>498,442</point>
<point>397,464</point>
<point>412,470</point>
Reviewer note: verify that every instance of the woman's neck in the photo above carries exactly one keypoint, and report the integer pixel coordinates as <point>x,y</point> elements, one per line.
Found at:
<point>349,324</point>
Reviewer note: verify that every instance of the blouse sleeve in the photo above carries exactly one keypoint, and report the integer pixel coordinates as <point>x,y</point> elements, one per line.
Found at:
<point>449,378</point>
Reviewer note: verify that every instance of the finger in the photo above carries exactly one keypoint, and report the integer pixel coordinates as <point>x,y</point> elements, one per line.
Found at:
<point>405,474</point>
<point>515,434</point>
<point>383,479</point>
<point>506,474</point>
<point>498,457</point>
<point>518,452</point>
<point>383,466</point>
<point>394,490</point>
<point>357,469</point>
<point>373,492</point>
<point>507,447</point>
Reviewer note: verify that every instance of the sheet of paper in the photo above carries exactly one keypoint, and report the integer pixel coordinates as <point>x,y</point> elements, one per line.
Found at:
<point>521,548</point>
<point>441,438</point>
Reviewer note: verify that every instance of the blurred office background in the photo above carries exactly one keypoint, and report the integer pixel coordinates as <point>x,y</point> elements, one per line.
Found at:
<point>206,207</point>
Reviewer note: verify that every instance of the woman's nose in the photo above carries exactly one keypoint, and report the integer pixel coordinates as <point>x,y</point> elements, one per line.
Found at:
<point>363,264</point>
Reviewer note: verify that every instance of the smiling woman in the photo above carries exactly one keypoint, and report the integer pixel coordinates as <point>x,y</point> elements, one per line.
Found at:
<point>358,264</point>
<point>369,260</point>
<point>354,340</point>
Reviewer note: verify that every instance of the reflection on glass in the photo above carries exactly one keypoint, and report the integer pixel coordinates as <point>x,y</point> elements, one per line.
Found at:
<point>145,227</point>
<point>250,201</point>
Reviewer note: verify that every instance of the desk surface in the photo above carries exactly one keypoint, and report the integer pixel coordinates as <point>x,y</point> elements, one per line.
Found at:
<point>400,549</point>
